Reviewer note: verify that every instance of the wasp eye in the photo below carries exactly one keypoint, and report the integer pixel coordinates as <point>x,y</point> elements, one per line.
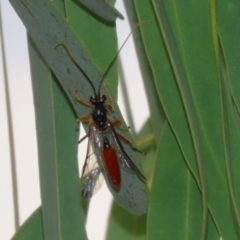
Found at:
<point>92,99</point>
<point>103,98</point>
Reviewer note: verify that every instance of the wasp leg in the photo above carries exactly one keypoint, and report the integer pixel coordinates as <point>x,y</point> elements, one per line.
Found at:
<point>129,143</point>
<point>83,119</point>
<point>83,138</point>
<point>117,123</point>
<point>110,106</point>
<point>82,101</point>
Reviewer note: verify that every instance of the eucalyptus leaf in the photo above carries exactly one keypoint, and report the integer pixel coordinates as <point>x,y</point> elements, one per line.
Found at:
<point>187,20</point>
<point>187,100</point>
<point>123,225</point>
<point>102,9</point>
<point>32,228</point>
<point>230,136</point>
<point>156,111</point>
<point>47,28</point>
<point>62,214</point>
<point>175,199</point>
<point>195,169</point>
<point>227,30</point>
<point>100,41</point>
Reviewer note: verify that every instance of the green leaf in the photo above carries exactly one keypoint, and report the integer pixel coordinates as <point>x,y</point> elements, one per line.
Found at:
<point>195,170</point>
<point>57,146</point>
<point>188,21</point>
<point>123,225</point>
<point>146,142</point>
<point>48,28</point>
<point>175,208</point>
<point>228,26</point>
<point>228,15</point>
<point>90,31</point>
<point>32,228</point>
<point>102,9</point>
<point>99,40</point>
<point>187,100</point>
<point>231,140</point>
<point>157,114</point>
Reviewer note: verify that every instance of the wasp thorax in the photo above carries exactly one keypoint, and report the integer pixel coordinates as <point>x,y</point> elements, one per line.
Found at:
<point>99,113</point>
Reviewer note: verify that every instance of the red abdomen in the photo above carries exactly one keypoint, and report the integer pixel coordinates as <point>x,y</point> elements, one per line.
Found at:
<point>111,161</point>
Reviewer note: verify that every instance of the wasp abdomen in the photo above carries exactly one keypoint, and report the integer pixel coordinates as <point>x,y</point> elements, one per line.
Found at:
<point>111,161</point>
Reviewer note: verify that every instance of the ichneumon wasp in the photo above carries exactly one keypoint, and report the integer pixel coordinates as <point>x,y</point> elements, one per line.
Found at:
<point>106,155</point>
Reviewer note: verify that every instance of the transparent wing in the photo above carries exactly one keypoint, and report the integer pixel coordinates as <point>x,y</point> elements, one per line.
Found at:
<point>125,160</point>
<point>95,163</point>
<point>131,194</point>
<point>92,178</point>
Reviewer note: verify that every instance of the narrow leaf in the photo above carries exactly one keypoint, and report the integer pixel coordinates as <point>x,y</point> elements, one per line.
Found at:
<point>198,58</point>
<point>47,28</point>
<point>57,146</point>
<point>123,225</point>
<point>175,207</point>
<point>156,111</point>
<point>102,9</point>
<point>32,228</point>
<point>187,99</point>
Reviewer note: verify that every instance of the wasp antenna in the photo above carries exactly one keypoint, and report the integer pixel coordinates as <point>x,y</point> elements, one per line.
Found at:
<point>116,56</point>
<point>76,64</point>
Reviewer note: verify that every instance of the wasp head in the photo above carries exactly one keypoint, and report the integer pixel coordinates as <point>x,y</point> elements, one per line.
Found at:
<point>98,99</point>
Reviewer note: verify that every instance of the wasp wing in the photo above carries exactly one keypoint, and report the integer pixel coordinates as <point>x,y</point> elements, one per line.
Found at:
<point>92,178</point>
<point>125,160</point>
<point>132,191</point>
